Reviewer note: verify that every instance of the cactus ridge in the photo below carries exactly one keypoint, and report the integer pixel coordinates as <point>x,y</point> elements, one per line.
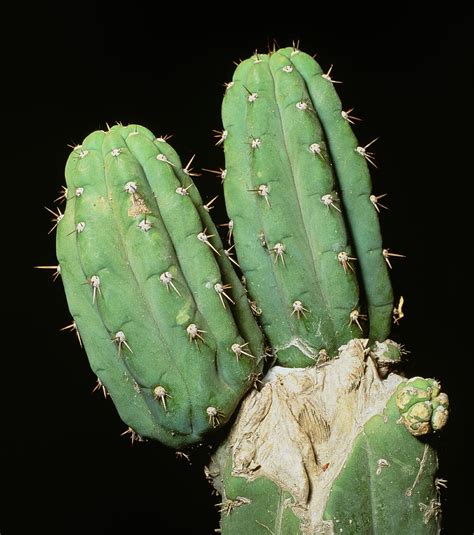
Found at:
<point>300,241</point>
<point>131,239</point>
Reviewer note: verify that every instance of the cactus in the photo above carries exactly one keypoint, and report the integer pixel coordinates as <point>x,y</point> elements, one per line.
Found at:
<point>152,293</point>
<point>329,440</point>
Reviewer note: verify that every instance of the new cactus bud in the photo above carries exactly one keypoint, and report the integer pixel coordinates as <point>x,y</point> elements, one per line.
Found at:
<point>140,287</point>
<point>422,405</point>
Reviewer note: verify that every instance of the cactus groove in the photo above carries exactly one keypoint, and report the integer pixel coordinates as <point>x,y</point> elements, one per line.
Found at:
<point>137,277</point>
<point>298,191</point>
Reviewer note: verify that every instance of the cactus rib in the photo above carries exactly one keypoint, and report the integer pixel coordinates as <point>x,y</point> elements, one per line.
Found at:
<point>356,187</point>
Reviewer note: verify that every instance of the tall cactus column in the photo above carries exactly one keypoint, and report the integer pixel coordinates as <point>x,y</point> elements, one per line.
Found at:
<point>305,224</point>
<point>328,445</point>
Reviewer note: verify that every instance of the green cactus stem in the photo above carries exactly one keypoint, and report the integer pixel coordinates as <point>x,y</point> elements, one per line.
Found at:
<point>160,311</point>
<point>298,192</point>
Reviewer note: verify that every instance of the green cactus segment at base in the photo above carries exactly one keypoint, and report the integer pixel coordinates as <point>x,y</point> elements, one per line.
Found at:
<point>387,485</point>
<point>257,507</point>
<point>389,478</point>
<point>165,321</point>
<point>294,214</point>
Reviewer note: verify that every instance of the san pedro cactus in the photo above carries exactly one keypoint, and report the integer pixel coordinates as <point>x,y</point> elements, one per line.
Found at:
<point>328,441</point>
<point>153,296</point>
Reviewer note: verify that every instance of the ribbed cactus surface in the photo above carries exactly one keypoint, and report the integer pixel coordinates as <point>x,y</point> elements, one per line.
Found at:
<point>164,319</point>
<point>299,194</point>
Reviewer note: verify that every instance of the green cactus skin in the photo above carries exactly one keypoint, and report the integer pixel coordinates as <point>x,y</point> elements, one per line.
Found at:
<point>255,507</point>
<point>136,277</point>
<point>391,480</point>
<point>296,177</point>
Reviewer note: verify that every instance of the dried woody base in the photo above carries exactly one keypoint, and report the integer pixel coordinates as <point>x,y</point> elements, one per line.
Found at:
<point>324,450</point>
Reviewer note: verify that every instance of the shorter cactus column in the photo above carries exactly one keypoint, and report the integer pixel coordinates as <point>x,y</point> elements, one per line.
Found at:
<point>323,450</point>
<point>163,317</point>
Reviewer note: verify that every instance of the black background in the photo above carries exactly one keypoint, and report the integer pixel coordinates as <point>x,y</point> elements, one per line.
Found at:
<point>70,70</point>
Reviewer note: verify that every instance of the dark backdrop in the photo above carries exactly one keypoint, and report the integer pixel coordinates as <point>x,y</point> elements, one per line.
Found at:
<point>70,70</point>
